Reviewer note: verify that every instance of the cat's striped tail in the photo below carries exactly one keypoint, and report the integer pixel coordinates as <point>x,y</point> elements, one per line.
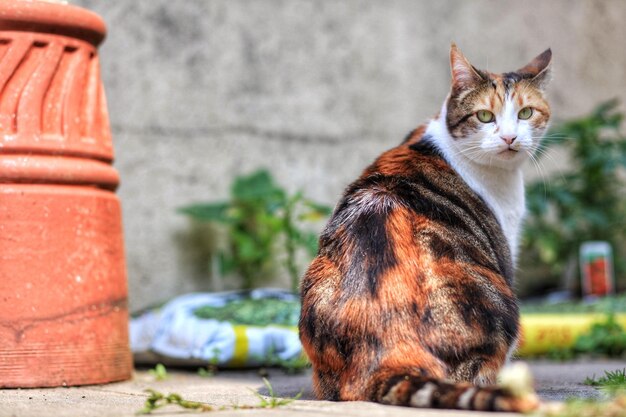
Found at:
<point>513,395</point>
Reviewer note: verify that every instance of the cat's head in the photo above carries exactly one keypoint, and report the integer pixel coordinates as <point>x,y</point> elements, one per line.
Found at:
<point>497,119</point>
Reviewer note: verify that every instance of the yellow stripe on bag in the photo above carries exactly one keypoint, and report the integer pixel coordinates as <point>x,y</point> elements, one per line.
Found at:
<point>543,332</point>
<point>240,353</point>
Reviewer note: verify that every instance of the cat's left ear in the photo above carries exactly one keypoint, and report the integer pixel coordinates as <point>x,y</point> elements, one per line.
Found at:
<point>539,69</point>
<point>464,75</point>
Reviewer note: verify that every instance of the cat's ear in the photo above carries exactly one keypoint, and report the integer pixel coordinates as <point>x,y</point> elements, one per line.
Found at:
<point>539,69</point>
<point>464,75</point>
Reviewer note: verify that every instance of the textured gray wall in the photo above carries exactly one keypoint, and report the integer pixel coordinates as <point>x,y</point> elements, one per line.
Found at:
<point>200,91</point>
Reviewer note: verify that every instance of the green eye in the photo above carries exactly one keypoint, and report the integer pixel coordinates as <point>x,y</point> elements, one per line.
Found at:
<point>485,116</point>
<point>525,113</point>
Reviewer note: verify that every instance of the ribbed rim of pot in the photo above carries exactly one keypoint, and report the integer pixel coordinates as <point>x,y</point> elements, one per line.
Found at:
<point>52,18</point>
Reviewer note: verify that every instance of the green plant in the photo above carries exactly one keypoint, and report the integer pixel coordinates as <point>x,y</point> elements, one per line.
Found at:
<point>607,338</point>
<point>157,400</point>
<point>159,372</point>
<point>273,401</point>
<point>616,407</point>
<point>612,381</point>
<point>212,367</point>
<point>584,202</point>
<point>259,217</point>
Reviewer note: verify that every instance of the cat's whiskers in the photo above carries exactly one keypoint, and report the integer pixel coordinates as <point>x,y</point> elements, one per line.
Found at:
<point>473,152</point>
<point>478,156</point>
<point>553,138</point>
<point>543,153</point>
<point>537,164</point>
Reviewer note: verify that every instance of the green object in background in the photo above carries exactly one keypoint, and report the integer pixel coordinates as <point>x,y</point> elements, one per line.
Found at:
<point>565,336</point>
<point>609,304</point>
<point>263,225</point>
<point>231,329</point>
<point>607,338</point>
<point>568,329</point>
<point>612,382</point>
<point>584,202</point>
<point>159,372</point>
<point>260,312</point>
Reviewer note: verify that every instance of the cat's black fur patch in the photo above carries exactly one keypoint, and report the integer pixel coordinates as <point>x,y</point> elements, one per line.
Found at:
<point>460,121</point>
<point>426,146</point>
<point>368,233</point>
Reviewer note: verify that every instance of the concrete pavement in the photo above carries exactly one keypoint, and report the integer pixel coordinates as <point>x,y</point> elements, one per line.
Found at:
<point>555,381</point>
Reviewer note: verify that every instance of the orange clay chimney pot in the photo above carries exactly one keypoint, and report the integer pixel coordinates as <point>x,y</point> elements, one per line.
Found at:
<point>63,292</point>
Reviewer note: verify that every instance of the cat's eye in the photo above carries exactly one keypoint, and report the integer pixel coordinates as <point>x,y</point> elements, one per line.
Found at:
<point>485,116</point>
<point>525,113</point>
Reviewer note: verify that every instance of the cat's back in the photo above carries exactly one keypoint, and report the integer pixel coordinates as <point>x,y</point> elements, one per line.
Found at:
<point>412,263</point>
<point>411,204</point>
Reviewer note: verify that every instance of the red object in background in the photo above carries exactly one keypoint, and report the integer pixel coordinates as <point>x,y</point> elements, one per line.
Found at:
<point>597,272</point>
<point>63,290</point>
<point>596,266</point>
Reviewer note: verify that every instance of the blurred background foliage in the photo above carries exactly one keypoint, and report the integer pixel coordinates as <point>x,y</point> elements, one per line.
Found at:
<point>585,201</point>
<point>264,229</point>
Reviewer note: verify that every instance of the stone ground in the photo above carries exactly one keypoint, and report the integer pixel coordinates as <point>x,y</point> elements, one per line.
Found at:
<point>554,382</point>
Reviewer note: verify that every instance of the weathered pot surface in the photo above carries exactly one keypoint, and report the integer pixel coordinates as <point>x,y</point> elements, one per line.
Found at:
<point>63,290</point>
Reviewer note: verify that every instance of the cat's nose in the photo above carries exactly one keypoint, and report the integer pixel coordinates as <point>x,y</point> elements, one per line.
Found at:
<point>508,139</point>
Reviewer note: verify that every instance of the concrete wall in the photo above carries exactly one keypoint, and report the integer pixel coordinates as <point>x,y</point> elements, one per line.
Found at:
<point>200,91</point>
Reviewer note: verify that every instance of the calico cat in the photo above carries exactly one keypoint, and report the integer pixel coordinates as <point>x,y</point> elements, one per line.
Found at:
<point>409,300</point>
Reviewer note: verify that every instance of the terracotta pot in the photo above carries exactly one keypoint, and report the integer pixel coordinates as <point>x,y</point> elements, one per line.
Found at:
<point>63,291</point>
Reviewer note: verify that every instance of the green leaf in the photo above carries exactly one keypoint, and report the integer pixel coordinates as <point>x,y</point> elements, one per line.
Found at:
<point>227,263</point>
<point>247,248</point>
<point>264,226</point>
<point>159,372</point>
<point>213,212</point>
<point>309,241</point>
<point>258,185</point>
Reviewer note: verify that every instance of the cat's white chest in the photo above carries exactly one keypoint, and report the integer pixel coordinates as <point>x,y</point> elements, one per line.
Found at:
<point>502,190</point>
<point>505,197</point>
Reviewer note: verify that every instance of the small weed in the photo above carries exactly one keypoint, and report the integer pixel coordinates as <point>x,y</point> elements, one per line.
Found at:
<point>208,372</point>
<point>212,368</point>
<point>157,400</point>
<point>612,381</point>
<point>159,372</point>
<point>273,401</point>
<point>590,408</point>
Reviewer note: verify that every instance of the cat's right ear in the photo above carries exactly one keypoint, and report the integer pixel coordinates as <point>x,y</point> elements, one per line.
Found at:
<point>539,69</point>
<point>464,75</point>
